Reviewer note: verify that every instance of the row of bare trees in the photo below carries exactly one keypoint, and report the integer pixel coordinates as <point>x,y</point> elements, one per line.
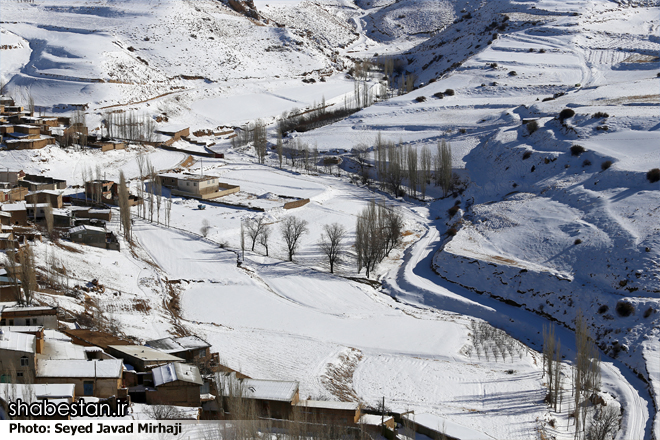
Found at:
<point>396,164</point>
<point>586,380</point>
<point>377,231</point>
<point>129,125</point>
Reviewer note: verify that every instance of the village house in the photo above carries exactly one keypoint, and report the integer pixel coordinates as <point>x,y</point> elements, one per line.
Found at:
<point>98,377</point>
<point>36,211</point>
<point>188,347</point>
<point>17,357</point>
<point>52,197</point>
<point>196,186</point>
<point>272,398</point>
<point>9,286</point>
<point>175,384</point>
<point>13,194</point>
<point>102,191</point>
<point>92,338</point>
<point>44,316</point>
<point>94,236</point>
<point>340,413</point>
<point>30,393</point>
<point>35,182</point>
<point>141,358</point>
<point>35,330</point>
<point>5,218</point>
<point>18,212</point>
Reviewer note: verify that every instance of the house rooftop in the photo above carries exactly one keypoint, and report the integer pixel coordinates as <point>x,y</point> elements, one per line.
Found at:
<point>21,328</point>
<point>13,308</point>
<point>86,228</point>
<point>98,368</point>
<point>175,345</point>
<point>347,406</point>
<point>33,392</point>
<point>54,349</point>
<point>52,192</point>
<point>275,390</point>
<point>145,353</point>
<point>17,342</point>
<point>176,372</point>
<point>9,207</point>
<point>189,177</point>
<point>94,338</point>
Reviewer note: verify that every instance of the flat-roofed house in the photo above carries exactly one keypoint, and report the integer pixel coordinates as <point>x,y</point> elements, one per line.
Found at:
<point>187,347</point>
<point>321,411</point>
<point>97,377</point>
<point>140,357</point>
<point>273,398</point>
<point>53,197</point>
<point>45,316</point>
<point>18,212</point>
<point>196,186</point>
<point>176,384</point>
<point>17,357</point>
<point>29,393</point>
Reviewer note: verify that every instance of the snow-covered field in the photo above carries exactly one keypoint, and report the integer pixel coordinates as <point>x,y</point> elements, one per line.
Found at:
<point>551,231</point>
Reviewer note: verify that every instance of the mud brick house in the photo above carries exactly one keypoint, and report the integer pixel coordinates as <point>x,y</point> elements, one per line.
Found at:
<point>94,236</point>
<point>196,186</point>
<point>188,347</point>
<point>18,212</point>
<point>140,357</point>
<point>54,198</point>
<point>176,384</point>
<point>273,398</point>
<point>98,377</point>
<point>341,413</point>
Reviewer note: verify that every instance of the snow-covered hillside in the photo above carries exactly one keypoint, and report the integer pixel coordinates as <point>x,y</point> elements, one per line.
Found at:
<point>557,216</point>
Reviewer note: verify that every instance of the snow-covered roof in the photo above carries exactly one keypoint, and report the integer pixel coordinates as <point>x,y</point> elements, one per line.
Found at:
<point>51,192</point>
<point>447,427</point>
<point>263,389</point>
<point>17,342</point>
<point>18,206</point>
<point>13,308</point>
<point>50,334</point>
<point>100,211</point>
<point>175,345</point>
<point>34,392</point>
<point>84,228</point>
<point>99,368</point>
<point>37,205</point>
<point>5,236</point>
<point>21,328</point>
<point>54,349</point>
<point>145,353</point>
<point>346,406</point>
<point>4,214</point>
<point>176,371</point>
<point>373,419</point>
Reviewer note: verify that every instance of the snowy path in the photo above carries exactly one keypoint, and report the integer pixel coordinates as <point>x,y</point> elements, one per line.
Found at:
<point>416,283</point>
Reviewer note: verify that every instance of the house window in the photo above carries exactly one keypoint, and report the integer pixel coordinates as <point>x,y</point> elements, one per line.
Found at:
<point>11,322</point>
<point>25,361</point>
<point>2,322</point>
<point>34,321</point>
<point>19,374</point>
<point>88,388</point>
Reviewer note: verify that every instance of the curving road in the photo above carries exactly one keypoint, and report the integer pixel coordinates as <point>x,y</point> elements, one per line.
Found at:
<point>415,283</point>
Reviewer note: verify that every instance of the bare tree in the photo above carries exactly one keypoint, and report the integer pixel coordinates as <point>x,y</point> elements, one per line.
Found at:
<point>124,207</point>
<point>13,270</point>
<point>254,227</point>
<point>164,412</point>
<point>50,223</point>
<point>443,170</point>
<point>264,236</point>
<point>426,163</point>
<point>368,239</point>
<point>331,243</point>
<point>604,424</point>
<point>242,242</point>
<point>292,229</point>
<point>28,275</point>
